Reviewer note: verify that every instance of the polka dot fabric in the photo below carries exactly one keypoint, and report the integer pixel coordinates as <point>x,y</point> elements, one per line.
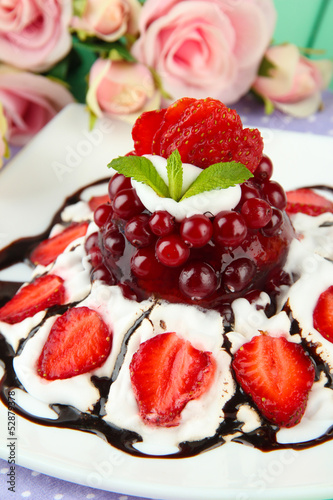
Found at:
<point>252,113</point>
<point>35,486</point>
<point>32,485</point>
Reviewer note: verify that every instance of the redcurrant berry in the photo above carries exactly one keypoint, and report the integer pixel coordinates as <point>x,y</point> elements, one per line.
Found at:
<point>229,229</point>
<point>161,223</point>
<point>138,232</point>
<point>103,214</point>
<point>145,265</point>
<point>264,170</point>
<point>198,280</point>
<point>196,230</point>
<point>256,212</point>
<point>172,251</point>
<point>114,242</point>
<point>238,274</point>
<point>127,204</point>
<point>118,183</point>
<point>274,194</point>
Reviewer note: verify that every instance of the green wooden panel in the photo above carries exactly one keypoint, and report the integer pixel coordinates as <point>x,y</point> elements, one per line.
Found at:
<point>306,23</point>
<point>296,20</point>
<point>323,38</point>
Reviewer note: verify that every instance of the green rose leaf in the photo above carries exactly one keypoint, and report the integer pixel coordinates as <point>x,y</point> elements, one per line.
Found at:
<point>79,6</point>
<point>266,67</point>
<point>218,176</point>
<point>142,170</point>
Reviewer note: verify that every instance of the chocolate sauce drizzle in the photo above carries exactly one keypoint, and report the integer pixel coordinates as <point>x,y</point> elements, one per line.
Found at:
<point>263,438</point>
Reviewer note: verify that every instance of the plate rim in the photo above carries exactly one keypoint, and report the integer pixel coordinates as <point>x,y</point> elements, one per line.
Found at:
<point>26,459</point>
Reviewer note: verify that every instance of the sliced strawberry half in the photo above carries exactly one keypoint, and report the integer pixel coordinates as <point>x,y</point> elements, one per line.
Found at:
<point>308,202</point>
<point>204,131</point>
<point>48,250</point>
<point>144,130</point>
<point>42,293</point>
<point>79,341</point>
<point>174,128</point>
<point>323,314</point>
<point>166,373</point>
<point>96,201</point>
<point>277,375</point>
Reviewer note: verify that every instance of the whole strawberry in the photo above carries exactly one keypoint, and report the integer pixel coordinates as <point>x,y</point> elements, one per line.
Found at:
<point>204,131</point>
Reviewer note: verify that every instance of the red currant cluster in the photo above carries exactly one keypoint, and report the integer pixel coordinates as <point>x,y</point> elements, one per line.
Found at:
<point>205,259</point>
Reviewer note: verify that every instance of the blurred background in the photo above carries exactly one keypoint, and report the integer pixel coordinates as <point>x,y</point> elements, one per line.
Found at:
<point>306,23</point>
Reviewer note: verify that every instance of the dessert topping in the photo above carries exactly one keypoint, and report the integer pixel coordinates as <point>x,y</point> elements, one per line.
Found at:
<point>308,202</point>
<point>277,375</point>
<point>48,250</point>
<point>40,294</point>
<point>323,314</point>
<point>204,131</point>
<point>79,341</point>
<point>166,373</point>
<point>216,176</point>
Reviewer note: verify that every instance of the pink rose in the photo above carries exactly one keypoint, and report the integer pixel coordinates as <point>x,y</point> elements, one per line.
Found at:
<point>295,83</point>
<point>121,88</point>
<point>202,48</point>
<point>29,102</point>
<point>108,19</point>
<point>34,34</point>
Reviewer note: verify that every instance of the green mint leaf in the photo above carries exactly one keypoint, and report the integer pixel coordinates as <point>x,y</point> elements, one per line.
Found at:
<point>218,176</point>
<point>175,175</point>
<point>142,170</point>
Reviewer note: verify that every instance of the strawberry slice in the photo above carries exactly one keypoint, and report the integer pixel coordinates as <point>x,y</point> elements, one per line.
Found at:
<point>278,376</point>
<point>167,134</point>
<point>204,131</point>
<point>166,373</point>
<point>79,341</point>
<point>42,293</point>
<point>48,250</point>
<point>308,202</point>
<point>323,314</point>
<point>144,130</point>
<point>96,201</point>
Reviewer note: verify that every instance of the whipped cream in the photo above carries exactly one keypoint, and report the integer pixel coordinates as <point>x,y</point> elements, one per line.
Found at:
<point>201,417</point>
<point>118,313</point>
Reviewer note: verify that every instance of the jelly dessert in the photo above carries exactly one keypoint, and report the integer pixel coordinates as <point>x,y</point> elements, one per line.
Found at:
<point>184,302</point>
<point>210,256</point>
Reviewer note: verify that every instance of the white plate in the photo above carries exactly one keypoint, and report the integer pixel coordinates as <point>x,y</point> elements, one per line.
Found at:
<point>63,158</point>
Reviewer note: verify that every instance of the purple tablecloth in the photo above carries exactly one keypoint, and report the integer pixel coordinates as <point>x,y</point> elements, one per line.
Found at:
<point>35,486</point>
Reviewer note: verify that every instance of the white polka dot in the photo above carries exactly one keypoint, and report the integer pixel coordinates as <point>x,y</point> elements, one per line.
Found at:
<point>59,496</point>
<point>26,494</point>
<point>4,471</point>
<point>90,495</point>
<point>123,498</point>
<point>35,473</point>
